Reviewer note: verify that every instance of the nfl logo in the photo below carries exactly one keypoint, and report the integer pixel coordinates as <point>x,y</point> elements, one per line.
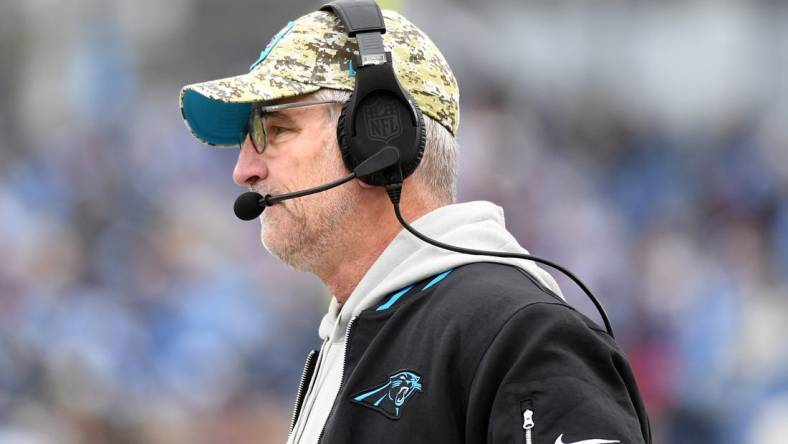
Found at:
<point>383,121</point>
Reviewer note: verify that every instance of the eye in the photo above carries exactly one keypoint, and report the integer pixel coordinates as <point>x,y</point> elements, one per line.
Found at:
<point>278,130</point>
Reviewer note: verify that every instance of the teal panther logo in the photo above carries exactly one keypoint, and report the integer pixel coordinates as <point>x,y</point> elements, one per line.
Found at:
<point>390,398</point>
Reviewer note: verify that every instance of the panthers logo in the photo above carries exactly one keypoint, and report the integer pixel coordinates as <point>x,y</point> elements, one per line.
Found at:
<point>390,398</point>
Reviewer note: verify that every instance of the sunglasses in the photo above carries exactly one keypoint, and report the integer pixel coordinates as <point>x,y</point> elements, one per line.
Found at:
<point>258,127</point>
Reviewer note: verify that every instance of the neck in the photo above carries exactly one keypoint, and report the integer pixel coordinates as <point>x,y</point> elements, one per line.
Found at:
<point>355,254</point>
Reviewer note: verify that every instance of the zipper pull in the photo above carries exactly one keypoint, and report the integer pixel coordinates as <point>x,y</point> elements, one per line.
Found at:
<point>528,419</point>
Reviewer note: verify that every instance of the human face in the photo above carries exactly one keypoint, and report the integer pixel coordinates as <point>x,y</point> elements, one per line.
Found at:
<point>301,152</point>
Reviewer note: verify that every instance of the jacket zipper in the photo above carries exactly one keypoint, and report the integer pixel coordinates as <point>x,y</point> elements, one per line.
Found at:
<point>341,377</point>
<point>528,425</point>
<point>306,376</point>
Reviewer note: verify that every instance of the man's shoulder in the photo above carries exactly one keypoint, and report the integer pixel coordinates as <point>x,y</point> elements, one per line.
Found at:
<point>490,283</point>
<point>487,294</point>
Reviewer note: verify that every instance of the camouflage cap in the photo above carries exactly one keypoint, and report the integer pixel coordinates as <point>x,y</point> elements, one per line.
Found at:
<point>314,52</point>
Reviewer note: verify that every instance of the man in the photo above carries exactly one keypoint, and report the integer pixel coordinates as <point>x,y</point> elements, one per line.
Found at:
<point>420,345</point>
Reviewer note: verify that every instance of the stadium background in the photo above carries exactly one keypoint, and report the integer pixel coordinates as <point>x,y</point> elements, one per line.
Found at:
<point>643,145</point>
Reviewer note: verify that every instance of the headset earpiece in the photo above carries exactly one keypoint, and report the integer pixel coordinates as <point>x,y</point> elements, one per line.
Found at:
<point>378,120</point>
<point>379,113</point>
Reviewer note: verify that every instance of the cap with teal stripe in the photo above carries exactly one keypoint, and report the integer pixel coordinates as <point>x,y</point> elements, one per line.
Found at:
<point>311,53</point>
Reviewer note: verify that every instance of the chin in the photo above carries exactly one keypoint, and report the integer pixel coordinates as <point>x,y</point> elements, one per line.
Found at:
<point>276,246</point>
<point>283,241</point>
<point>272,237</point>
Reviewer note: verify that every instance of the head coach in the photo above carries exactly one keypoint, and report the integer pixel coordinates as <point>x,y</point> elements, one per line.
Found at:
<point>346,125</point>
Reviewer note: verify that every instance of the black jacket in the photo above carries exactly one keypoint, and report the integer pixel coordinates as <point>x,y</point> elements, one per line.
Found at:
<point>482,354</point>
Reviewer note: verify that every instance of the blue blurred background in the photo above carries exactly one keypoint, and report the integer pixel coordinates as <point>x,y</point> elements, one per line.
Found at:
<point>642,144</point>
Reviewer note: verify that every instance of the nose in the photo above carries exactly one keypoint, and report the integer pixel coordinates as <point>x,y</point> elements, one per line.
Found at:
<point>250,167</point>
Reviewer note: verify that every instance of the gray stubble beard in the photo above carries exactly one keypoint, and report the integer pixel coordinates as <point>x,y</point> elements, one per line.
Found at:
<point>320,223</point>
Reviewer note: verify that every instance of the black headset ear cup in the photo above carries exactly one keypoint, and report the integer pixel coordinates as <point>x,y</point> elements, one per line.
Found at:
<point>347,155</point>
<point>344,147</point>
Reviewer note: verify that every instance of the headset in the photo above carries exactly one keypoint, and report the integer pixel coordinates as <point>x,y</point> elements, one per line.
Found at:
<point>381,132</point>
<point>379,113</point>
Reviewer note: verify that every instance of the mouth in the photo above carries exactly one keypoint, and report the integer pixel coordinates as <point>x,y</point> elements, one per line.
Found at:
<point>265,190</point>
<point>401,395</point>
<point>273,192</point>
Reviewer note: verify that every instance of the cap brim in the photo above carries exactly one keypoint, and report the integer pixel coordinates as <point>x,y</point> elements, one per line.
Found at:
<point>216,112</point>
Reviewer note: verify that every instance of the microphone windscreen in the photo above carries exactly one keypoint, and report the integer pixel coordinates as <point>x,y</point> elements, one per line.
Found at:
<point>247,206</point>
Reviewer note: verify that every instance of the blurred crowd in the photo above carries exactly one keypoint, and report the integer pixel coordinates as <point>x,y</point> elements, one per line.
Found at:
<point>643,146</point>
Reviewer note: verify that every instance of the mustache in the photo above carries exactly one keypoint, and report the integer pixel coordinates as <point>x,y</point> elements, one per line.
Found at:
<point>266,189</point>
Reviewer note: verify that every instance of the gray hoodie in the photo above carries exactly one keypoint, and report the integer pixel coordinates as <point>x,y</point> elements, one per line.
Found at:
<point>477,225</point>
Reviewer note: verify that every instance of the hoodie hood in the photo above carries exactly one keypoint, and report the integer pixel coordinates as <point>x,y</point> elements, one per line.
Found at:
<point>477,225</point>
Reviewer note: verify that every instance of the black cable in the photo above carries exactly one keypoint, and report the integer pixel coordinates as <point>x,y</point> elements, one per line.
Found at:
<point>269,199</point>
<point>394,193</point>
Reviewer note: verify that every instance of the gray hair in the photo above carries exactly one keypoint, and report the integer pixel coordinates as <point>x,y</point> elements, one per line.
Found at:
<point>438,168</point>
